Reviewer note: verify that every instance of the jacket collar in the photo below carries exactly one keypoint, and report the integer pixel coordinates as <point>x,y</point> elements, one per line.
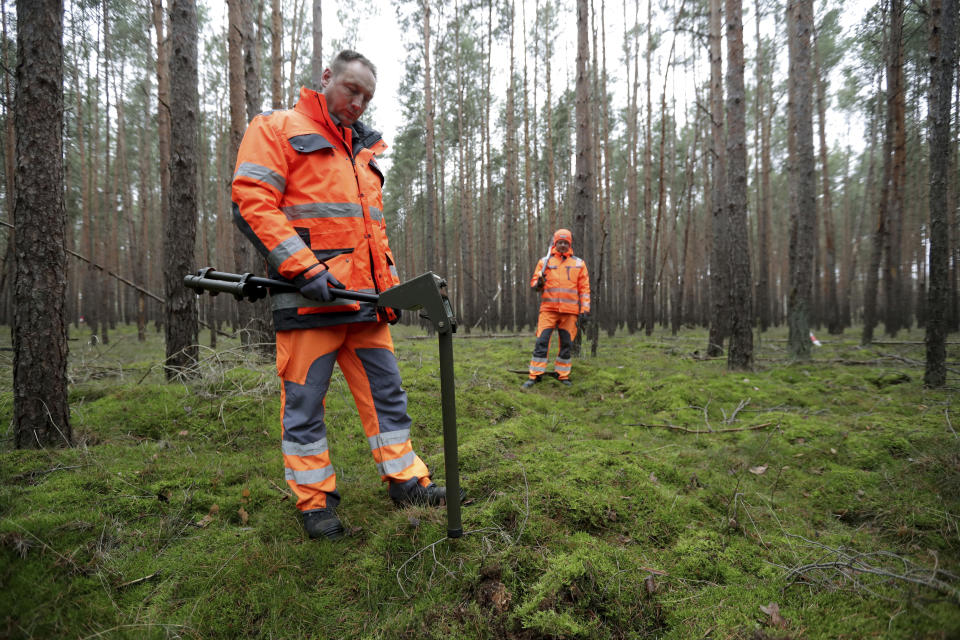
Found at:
<point>313,104</point>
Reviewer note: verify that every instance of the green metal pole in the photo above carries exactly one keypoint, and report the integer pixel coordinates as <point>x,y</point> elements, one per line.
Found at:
<point>448,406</point>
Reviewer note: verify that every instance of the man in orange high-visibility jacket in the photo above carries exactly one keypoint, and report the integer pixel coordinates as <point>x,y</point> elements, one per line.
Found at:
<point>562,279</point>
<point>307,193</point>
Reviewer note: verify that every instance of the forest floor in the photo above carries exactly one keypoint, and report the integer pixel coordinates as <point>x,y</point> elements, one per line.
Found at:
<point>659,497</point>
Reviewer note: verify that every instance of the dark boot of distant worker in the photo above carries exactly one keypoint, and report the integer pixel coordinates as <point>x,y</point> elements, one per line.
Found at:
<point>530,382</point>
<point>323,523</point>
<point>412,492</point>
<point>566,382</point>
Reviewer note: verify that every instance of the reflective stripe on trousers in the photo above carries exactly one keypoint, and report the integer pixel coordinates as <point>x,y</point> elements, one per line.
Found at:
<point>305,359</point>
<point>565,325</point>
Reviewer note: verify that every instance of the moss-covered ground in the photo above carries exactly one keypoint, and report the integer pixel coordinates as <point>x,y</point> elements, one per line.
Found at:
<point>659,497</point>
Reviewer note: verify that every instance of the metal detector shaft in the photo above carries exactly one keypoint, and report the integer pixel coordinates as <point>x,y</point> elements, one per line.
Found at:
<point>425,292</point>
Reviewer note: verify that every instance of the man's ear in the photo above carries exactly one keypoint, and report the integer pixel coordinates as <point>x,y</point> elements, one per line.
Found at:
<point>325,78</point>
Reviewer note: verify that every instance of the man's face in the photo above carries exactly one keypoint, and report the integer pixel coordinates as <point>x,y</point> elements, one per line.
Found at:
<point>349,92</point>
<point>563,245</point>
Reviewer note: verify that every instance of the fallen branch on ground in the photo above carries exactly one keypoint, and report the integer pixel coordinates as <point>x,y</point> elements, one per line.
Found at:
<point>845,564</point>
<point>674,427</point>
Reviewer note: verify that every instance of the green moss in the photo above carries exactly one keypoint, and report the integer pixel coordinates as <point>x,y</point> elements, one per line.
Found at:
<point>591,515</point>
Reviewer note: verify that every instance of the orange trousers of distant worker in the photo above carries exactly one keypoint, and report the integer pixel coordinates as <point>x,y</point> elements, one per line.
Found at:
<point>565,325</point>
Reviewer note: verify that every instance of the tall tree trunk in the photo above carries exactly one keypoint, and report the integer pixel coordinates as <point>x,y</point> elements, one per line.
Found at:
<point>583,187</point>
<point>719,278</point>
<point>163,116</point>
<point>649,259</point>
<point>316,60</point>
<point>242,254</point>
<point>41,412</point>
<point>430,146</point>
<point>9,156</point>
<point>764,204</point>
<point>943,40</point>
<point>181,230</point>
<point>528,197</point>
<point>740,303</point>
<point>509,281</point>
<point>633,259</point>
<point>893,285</point>
<point>552,214</point>
<point>831,307</point>
<point>296,35</point>
<point>801,173</point>
<point>276,55</point>
<point>251,62</point>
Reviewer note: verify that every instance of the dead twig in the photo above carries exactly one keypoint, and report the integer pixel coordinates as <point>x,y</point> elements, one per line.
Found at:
<point>740,407</point>
<point>139,580</point>
<point>845,564</point>
<point>674,427</point>
<point>946,414</point>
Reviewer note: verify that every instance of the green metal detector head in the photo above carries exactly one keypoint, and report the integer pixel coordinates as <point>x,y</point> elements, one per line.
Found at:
<point>427,292</point>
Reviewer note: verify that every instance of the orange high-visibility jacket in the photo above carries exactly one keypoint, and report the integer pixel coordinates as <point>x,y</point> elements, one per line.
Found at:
<point>567,286</point>
<point>307,191</point>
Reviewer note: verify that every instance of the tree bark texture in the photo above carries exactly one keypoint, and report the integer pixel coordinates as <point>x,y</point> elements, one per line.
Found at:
<point>180,233</point>
<point>583,182</point>
<point>719,277</point>
<point>739,299</point>
<point>943,38</point>
<point>41,412</point>
<point>801,172</point>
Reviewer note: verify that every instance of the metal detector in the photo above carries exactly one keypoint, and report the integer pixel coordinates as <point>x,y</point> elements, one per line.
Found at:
<point>425,293</point>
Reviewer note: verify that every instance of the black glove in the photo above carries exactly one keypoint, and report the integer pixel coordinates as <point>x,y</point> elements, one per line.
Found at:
<point>318,287</point>
<point>541,281</point>
<point>584,316</point>
<point>396,312</point>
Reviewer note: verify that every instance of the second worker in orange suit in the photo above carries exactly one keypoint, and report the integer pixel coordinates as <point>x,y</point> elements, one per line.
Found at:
<point>564,286</point>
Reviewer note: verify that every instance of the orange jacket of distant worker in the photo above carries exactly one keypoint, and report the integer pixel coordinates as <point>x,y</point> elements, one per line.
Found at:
<point>306,191</point>
<point>566,286</point>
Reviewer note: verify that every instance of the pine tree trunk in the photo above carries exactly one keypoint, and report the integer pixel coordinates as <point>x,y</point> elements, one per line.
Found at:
<point>719,278</point>
<point>181,230</point>
<point>163,125</point>
<point>801,175</point>
<point>583,187</point>
<point>893,285</point>
<point>509,281</point>
<point>41,412</point>
<point>943,41</point>
<point>276,55</point>
<point>740,302</point>
<point>316,60</point>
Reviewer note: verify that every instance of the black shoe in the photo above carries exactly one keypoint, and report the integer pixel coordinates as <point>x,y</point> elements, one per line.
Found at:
<point>323,523</point>
<point>565,382</point>
<point>529,383</point>
<point>411,492</point>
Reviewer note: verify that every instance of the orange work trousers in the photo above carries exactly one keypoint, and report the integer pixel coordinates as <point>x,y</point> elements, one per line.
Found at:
<point>565,326</point>
<point>364,351</point>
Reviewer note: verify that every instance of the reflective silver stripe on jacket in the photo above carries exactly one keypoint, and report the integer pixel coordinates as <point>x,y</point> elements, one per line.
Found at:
<point>262,174</point>
<point>376,214</point>
<point>284,250</point>
<point>322,210</point>
<point>309,476</point>
<point>561,290</point>
<point>389,438</point>
<point>388,467</point>
<point>309,449</point>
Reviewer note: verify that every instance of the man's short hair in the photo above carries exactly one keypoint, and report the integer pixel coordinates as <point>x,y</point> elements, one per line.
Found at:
<point>347,56</point>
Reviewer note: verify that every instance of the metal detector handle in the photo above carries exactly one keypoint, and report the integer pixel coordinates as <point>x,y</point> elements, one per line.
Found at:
<point>245,285</point>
